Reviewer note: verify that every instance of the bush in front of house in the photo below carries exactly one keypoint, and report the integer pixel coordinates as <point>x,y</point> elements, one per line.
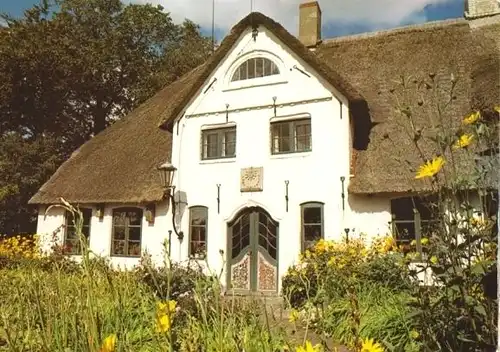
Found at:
<point>351,291</point>
<point>325,270</point>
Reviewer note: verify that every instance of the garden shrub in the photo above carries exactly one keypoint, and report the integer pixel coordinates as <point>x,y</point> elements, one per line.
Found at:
<point>325,270</point>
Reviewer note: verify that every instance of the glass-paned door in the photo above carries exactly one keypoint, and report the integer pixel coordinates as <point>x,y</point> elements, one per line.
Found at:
<point>253,252</point>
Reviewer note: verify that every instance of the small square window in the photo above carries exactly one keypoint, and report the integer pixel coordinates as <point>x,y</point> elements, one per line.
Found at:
<point>219,143</point>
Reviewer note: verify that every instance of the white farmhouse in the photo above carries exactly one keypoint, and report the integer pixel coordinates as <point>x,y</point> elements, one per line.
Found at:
<point>276,142</point>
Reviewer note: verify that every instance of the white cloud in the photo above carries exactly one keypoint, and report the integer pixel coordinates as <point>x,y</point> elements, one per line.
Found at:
<point>372,13</point>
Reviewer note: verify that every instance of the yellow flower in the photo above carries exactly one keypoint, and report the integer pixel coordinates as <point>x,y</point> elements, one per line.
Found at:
<point>108,344</point>
<point>167,307</point>
<point>463,141</point>
<point>424,241</point>
<point>294,316</point>
<point>308,347</point>
<point>497,109</point>
<point>430,168</point>
<point>413,243</point>
<point>434,260</point>
<point>163,323</point>
<point>369,345</point>
<point>472,118</point>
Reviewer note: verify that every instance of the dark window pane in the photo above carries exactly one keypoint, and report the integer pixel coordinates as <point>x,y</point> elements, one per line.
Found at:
<point>135,217</point>
<point>118,248</point>
<point>198,249</point>
<point>119,232</point>
<point>312,232</point>
<point>198,216</point>
<point>251,68</point>
<point>267,67</point>
<point>71,233</point>
<point>245,240</point>
<point>259,67</point>
<point>281,137</point>
<point>87,216</point>
<point>312,215</point>
<point>236,76</point>
<point>243,71</point>
<point>119,218</point>
<point>134,248</point>
<point>274,69</point>
<point>211,145</point>
<point>230,143</point>
<point>86,231</point>
<point>303,136</point>
<point>134,233</point>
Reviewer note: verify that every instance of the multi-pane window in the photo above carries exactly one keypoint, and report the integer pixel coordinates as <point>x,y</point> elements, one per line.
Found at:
<point>198,220</point>
<point>72,243</point>
<point>255,68</point>
<point>312,223</point>
<point>126,238</point>
<point>412,219</point>
<point>219,143</point>
<point>291,136</point>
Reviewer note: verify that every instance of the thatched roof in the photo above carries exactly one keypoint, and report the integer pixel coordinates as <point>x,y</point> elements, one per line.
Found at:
<point>119,164</point>
<point>387,159</point>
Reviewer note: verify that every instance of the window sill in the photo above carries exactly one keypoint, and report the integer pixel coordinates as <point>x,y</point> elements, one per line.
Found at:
<point>218,161</point>
<point>125,256</point>
<point>247,84</point>
<point>291,155</point>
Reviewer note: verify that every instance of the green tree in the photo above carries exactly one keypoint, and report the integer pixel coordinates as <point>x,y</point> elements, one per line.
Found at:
<point>68,69</point>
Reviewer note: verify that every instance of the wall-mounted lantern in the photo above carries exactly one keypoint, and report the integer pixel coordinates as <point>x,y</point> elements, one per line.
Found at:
<point>167,172</point>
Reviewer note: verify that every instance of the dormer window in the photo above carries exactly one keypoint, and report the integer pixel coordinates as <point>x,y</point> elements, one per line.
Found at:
<point>255,68</point>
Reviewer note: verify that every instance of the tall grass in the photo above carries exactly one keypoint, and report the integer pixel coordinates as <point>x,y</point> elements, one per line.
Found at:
<point>49,304</point>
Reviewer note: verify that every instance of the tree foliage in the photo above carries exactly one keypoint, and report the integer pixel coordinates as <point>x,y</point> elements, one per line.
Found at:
<point>68,69</point>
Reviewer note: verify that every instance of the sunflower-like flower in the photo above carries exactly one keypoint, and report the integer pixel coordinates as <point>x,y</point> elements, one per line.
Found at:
<point>430,168</point>
<point>369,345</point>
<point>463,141</point>
<point>109,344</point>
<point>471,118</point>
<point>497,108</point>
<point>294,316</point>
<point>308,347</point>
<point>163,323</point>
<point>164,315</point>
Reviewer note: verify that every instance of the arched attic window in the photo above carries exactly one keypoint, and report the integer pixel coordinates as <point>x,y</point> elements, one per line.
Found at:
<point>255,68</point>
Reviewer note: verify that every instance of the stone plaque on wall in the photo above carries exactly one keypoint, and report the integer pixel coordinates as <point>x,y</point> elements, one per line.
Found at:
<point>251,179</point>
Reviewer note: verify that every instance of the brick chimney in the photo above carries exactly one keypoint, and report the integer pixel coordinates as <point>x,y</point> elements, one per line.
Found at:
<point>310,23</point>
<point>481,8</point>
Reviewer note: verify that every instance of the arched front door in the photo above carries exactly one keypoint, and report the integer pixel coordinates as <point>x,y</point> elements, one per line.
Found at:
<point>253,252</point>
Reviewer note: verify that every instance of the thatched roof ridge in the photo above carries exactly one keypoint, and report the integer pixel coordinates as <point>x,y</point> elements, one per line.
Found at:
<point>257,19</point>
<point>388,161</point>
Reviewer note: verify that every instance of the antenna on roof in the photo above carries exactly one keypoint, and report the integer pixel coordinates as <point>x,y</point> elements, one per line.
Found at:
<point>213,26</point>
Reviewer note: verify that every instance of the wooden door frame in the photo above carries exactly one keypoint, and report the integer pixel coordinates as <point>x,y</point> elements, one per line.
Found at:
<point>254,244</point>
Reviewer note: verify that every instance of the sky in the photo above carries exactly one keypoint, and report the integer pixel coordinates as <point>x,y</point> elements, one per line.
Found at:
<point>340,17</point>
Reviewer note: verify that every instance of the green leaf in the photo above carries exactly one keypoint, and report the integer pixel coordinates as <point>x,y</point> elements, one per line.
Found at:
<point>479,308</point>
